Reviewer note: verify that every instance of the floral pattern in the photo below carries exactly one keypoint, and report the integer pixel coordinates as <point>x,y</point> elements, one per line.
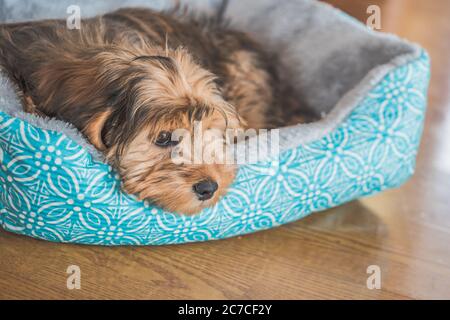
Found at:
<point>52,189</point>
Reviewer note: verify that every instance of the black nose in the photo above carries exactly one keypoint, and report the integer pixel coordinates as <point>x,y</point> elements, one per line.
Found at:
<point>205,189</point>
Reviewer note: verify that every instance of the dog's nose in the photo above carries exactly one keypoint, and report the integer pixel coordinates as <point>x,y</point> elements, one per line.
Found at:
<point>205,189</point>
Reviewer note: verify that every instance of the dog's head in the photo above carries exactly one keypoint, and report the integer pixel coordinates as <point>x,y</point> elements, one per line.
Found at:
<point>163,107</point>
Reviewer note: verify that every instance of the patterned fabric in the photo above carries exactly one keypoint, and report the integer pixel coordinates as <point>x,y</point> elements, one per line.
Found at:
<point>52,189</point>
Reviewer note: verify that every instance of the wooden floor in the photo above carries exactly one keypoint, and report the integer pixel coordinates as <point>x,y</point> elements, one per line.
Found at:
<point>406,231</point>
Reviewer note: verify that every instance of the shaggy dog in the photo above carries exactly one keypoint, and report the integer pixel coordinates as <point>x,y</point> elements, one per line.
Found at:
<point>129,78</point>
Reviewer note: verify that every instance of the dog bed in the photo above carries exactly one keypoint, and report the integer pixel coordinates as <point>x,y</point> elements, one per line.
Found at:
<point>369,87</point>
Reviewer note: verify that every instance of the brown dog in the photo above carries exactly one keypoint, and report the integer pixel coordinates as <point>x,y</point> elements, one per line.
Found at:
<point>129,78</point>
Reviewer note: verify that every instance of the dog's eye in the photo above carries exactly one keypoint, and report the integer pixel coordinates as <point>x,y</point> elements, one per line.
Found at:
<point>164,139</point>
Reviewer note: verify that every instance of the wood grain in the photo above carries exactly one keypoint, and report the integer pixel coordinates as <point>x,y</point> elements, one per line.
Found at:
<point>405,231</point>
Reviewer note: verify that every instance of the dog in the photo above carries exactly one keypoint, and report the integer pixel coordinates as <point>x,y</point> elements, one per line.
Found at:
<point>129,78</point>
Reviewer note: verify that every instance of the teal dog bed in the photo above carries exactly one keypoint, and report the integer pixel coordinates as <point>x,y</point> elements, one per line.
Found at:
<point>370,89</point>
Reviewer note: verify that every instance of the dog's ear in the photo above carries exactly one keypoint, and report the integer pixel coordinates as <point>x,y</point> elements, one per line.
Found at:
<point>96,130</point>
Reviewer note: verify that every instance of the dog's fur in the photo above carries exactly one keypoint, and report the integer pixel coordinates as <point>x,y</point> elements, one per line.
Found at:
<point>129,75</point>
